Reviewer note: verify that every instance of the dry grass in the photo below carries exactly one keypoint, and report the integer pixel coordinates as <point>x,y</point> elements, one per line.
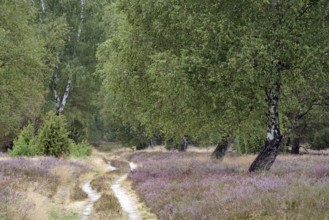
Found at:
<point>76,193</point>
<point>108,202</point>
<point>107,207</point>
<point>63,172</point>
<point>30,187</point>
<point>103,182</point>
<point>121,165</point>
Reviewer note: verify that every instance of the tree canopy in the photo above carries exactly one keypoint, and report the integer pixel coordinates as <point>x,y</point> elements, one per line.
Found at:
<point>215,68</point>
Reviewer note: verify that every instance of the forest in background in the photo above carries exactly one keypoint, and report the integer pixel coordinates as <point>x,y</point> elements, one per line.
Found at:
<point>252,73</point>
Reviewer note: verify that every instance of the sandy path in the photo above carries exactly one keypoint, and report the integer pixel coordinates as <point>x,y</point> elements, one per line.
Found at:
<point>127,203</point>
<point>93,196</point>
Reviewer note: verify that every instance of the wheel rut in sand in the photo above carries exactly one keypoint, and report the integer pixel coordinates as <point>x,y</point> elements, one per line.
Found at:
<point>126,201</point>
<point>93,196</point>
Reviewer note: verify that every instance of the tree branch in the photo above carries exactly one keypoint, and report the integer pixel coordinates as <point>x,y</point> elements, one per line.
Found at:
<point>306,8</point>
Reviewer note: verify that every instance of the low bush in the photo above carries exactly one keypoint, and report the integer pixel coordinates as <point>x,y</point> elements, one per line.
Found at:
<point>23,145</point>
<point>53,139</point>
<point>81,149</point>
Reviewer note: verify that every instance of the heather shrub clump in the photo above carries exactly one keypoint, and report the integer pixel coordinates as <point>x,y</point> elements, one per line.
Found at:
<point>191,186</point>
<point>53,139</point>
<point>23,145</point>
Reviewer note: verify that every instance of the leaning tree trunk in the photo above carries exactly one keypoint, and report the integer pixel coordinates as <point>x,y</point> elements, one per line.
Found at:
<point>267,156</point>
<point>65,96</point>
<point>221,149</point>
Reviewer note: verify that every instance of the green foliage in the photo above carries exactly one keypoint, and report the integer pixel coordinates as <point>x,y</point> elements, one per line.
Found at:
<point>249,144</point>
<point>23,145</point>
<point>77,131</point>
<point>81,149</point>
<point>128,134</point>
<point>35,43</point>
<point>196,68</point>
<point>53,139</point>
<point>202,68</point>
<point>320,140</point>
<point>22,67</point>
<point>171,144</point>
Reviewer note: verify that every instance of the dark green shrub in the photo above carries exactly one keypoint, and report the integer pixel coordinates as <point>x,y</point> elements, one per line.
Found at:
<point>77,131</point>
<point>81,149</point>
<point>320,140</point>
<point>53,139</point>
<point>170,144</point>
<point>141,146</point>
<point>23,145</point>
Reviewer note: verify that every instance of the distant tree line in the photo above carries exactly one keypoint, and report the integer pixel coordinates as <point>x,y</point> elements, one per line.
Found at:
<point>47,61</point>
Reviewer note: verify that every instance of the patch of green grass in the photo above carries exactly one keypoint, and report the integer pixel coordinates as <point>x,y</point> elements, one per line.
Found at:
<point>56,214</point>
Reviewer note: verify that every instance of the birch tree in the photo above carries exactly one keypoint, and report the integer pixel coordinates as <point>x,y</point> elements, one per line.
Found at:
<point>72,30</point>
<point>207,68</point>
<point>23,69</point>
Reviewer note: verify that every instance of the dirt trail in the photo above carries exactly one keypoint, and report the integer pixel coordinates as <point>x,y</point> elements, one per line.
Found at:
<point>127,200</point>
<point>127,203</point>
<point>93,196</point>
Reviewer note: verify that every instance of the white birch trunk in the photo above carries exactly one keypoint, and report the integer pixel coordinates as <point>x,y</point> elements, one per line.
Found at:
<point>266,158</point>
<point>43,6</point>
<point>82,18</point>
<point>66,94</point>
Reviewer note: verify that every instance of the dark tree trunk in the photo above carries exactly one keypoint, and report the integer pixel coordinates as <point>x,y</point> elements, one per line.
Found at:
<point>56,96</point>
<point>7,143</point>
<point>221,149</point>
<point>151,145</point>
<point>295,146</point>
<point>184,144</point>
<point>267,156</point>
<point>288,142</point>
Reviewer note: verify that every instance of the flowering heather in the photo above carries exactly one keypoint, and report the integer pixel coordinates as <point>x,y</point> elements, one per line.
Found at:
<point>192,186</point>
<point>3,154</point>
<point>41,168</point>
